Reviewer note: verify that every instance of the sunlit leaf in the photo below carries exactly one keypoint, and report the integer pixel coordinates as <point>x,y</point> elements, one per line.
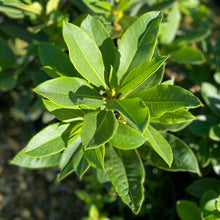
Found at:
<point>126,172</point>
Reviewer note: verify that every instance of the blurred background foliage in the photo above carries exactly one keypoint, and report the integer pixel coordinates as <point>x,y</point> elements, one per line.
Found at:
<point>30,35</point>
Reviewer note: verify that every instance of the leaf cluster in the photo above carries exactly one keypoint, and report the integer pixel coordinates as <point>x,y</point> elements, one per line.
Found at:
<point>109,101</point>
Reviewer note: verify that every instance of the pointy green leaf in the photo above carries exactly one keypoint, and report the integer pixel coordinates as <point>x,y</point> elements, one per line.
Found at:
<point>160,145</point>
<point>68,152</point>
<point>126,172</point>
<point>63,114</point>
<point>153,80</point>
<point>98,128</point>
<point>178,116</point>
<point>140,74</point>
<point>170,127</point>
<point>147,41</point>
<point>166,98</point>
<point>99,34</point>
<point>67,170</point>
<point>170,27</point>
<point>127,138</point>
<point>70,92</point>
<point>137,43</point>
<point>84,54</point>
<point>54,57</point>
<point>80,163</point>
<point>73,160</point>
<point>49,141</point>
<point>134,111</point>
<point>95,157</point>
<point>183,157</point>
<point>25,161</point>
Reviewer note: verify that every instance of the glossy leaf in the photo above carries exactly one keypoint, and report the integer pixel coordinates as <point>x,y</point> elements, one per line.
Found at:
<point>170,127</point>
<point>179,116</point>
<point>67,170</point>
<point>52,56</point>
<point>84,54</point>
<point>70,92</point>
<point>95,157</point>
<point>147,41</point>
<point>153,80</point>
<point>127,137</point>
<point>98,128</point>
<point>63,114</point>
<point>126,172</point>
<point>7,58</point>
<point>166,98</point>
<point>49,141</point>
<point>99,34</point>
<point>170,27</point>
<point>73,160</point>
<point>183,157</point>
<point>140,74</point>
<point>214,133</point>
<point>160,145</point>
<point>68,152</point>
<point>188,210</point>
<point>29,162</point>
<point>187,54</point>
<point>134,111</point>
<point>80,163</point>
<point>211,96</point>
<point>207,196</point>
<point>132,47</point>
<point>210,211</point>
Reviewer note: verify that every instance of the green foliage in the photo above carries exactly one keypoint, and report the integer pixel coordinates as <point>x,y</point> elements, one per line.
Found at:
<point>106,112</point>
<point>183,157</point>
<point>207,190</point>
<point>114,110</point>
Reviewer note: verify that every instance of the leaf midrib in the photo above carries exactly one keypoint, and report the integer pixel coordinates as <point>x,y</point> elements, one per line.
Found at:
<point>66,94</point>
<point>96,73</point>
<point>168,102</point>
<point>128,182</point>
<point>100,125</point>
<point>127,93</point>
